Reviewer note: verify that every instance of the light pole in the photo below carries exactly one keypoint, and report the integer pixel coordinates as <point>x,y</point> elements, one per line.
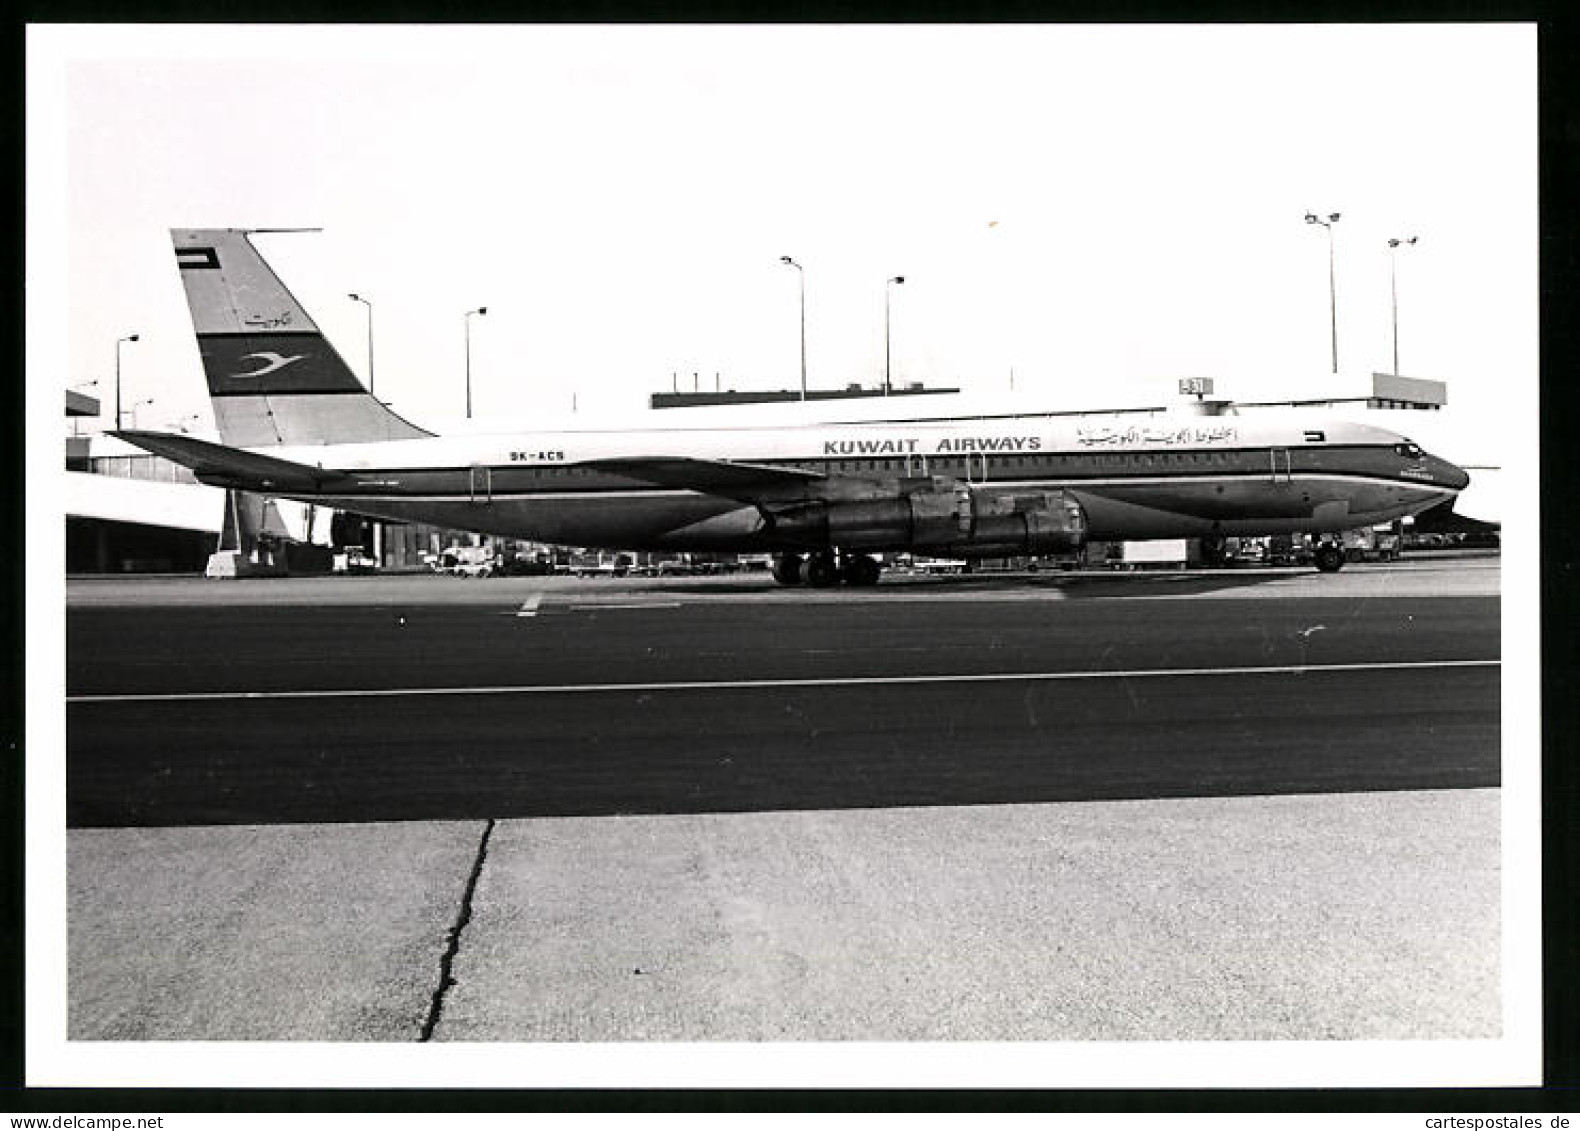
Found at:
<point>802,274</point>
<point>466,321</point>
<point>140,404</point>
<point>1393,294</point>
<point>887,290</point>
<point>118,341</point>
<point>1333,294</point>
<point>369,305</point>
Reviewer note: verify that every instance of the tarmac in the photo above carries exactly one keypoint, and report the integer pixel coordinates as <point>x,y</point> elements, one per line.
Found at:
<point>1316,928</point>
<point>1340,917</point>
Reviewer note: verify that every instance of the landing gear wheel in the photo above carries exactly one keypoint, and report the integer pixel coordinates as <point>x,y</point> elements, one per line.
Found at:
<point>859,569</point>
<point>820,571</point>
<point>787,569</point>
<point>1329,558</point>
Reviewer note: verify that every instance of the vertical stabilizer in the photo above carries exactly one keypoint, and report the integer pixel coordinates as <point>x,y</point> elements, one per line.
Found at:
<point>273,377</point>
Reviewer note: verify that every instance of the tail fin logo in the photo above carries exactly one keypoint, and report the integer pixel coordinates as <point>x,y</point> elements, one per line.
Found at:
<point>273,361</point>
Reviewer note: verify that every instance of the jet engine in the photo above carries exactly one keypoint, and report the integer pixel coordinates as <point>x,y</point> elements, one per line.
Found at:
<point>978,523</point>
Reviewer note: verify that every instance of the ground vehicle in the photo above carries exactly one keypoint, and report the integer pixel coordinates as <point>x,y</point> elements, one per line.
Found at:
<point>1374,543</point>
<point>354,559</point>
<point>467,561</point>
<point>938,565</point>
<point>1163,552</point>
<point>520,566</point>
<point>1289,549</point>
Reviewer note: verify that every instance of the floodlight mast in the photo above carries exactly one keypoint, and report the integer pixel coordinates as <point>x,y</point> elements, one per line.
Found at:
<point>1393,293</point>
<point>1333,294</point>
<point>118,341</point>
<point>802,274</point>
<point>888,289</point>
<point>466,322</point>
<point>369,305</point>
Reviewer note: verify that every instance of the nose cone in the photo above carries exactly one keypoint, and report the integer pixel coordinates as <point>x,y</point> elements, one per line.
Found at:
<point>1450,475</point>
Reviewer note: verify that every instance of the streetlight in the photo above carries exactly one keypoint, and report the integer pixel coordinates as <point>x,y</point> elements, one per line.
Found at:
<point>369,305</point>
<point>140,404</point>
<point>118,341</point>
<point>802,274</point>
<point>1393,294</point>
<point>1333,294</point>
<point>466,321</point>
<point>886,292</point>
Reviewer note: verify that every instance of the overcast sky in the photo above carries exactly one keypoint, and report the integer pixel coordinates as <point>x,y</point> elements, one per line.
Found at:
<point>1096,211</point>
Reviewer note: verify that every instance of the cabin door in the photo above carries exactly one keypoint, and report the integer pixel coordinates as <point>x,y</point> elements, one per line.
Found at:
<point>481,486</point>
<point>1280,465</point>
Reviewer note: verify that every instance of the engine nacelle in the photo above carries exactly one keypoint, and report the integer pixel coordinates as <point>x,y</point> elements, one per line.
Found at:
<point>977,523</point>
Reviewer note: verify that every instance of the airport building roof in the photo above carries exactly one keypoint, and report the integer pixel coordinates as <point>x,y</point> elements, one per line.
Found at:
<point>80,404</point>
<point>1377,390</point>
<point>695,399</point>
<point>178,506</point>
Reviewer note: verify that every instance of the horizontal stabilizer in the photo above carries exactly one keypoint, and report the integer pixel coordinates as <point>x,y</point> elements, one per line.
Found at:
<point>230,467</point>
<point>744,481</point>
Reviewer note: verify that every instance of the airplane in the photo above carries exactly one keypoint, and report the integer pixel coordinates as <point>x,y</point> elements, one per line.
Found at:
<point>295,422</point>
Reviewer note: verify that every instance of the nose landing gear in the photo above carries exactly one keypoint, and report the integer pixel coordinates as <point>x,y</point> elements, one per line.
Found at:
<point>860,569</point>
<point>820,570</point>
<point>1329,557</point>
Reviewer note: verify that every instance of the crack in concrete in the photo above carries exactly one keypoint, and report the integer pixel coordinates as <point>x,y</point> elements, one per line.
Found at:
<point>453,947</point>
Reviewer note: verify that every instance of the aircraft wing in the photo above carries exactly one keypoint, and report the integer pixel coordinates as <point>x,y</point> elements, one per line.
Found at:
<point>211,461</point>
<point>747,482</point>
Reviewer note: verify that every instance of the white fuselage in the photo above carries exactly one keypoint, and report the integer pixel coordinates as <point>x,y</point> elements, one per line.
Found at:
<point>1135,477</point>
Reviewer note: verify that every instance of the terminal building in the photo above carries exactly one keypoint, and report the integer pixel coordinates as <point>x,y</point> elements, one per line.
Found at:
<point>131,512</point>
<point>128,511</point>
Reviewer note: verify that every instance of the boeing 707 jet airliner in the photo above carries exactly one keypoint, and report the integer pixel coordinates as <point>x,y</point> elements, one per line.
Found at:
<point>295,422</point>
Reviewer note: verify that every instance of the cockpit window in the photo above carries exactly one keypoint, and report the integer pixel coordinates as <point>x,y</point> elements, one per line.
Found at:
<point>1409,450</point>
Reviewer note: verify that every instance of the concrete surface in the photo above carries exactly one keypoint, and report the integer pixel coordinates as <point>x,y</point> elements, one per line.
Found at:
<point>1332,916</point>
<point>1328,917</point>
<point>1345,917</point>
<point>305,932</point>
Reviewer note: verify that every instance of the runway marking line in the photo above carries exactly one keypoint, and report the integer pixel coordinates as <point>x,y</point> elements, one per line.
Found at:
<point>529,607</point>
<point>598,607</point>
<point>746,684</point>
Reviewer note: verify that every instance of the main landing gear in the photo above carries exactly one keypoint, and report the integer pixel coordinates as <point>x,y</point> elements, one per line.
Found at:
<point>824,568</point>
